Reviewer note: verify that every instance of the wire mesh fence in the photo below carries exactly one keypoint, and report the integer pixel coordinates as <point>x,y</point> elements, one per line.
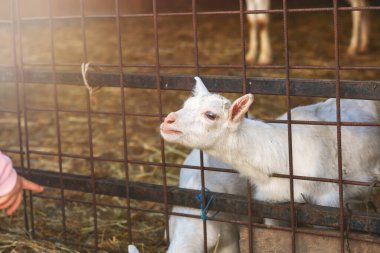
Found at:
<point>110,179</point>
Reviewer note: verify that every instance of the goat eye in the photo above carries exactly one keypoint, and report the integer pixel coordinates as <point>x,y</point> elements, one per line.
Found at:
<point>211,115</point>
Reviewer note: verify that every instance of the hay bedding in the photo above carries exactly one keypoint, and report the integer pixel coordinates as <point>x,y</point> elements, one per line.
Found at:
<point>219,43</point>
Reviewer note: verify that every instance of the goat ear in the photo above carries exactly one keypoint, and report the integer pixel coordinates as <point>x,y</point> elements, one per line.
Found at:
<point>240,107</point>
<point>200,88</point>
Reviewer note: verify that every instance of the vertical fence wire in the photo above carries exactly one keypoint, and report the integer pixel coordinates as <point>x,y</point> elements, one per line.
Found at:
<point>18,106</point>
<point>338,122</point>
<point>25,109</point>
<point>201,154</point>
<point>125,145</point>
<point>289,125</point>
<point>244,71</point>
<point>57,117</point>
<point>159,97</point>
<point>90,132</point>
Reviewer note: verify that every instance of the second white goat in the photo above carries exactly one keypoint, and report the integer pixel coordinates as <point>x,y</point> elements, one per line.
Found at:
<point>186,234</point>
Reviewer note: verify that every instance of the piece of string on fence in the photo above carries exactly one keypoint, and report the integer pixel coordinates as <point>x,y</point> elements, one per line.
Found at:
<point>208,199</point>
<point>91,90</point>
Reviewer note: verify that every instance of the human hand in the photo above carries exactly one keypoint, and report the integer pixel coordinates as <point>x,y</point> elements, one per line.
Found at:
<point>13,199</point>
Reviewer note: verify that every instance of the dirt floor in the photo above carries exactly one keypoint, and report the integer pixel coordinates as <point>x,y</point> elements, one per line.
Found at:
<point>310,43</point>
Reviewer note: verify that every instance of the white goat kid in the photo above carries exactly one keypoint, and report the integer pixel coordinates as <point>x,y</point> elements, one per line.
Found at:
<point>259,31</point>
<point>257,149</point>
<point>186,234</point>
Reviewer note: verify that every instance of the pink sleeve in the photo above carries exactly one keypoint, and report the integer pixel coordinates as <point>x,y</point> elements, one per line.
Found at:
<point>8,175</point>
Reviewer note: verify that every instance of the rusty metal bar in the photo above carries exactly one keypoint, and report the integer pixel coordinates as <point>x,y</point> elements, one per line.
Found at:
<point>226,12</point>
<point>90,131</point>
<point>338,125</point>
<point>157,81</point>
<point>58,125</point>
<point>257,85</point>
<point>174,165</point>
<point>325,180</point>
<point>194,12</point>
<point>206,66</point>
<point>242,17</point>
<point>289,126</point>
<point>306,213</point>
<point>122,102</point>
<point>153,115</point>
<point>278,121</point>
<point>19,106</point>
<point>21,79</point>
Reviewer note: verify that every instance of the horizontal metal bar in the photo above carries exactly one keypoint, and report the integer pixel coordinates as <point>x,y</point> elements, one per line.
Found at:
<point>117,114</point>
<point>175,165</point>
<point>13,151</point>
<point>9,111</point>
<point>326,180</point>
<point>268,86</point>
<point>226,12</point>
<point>306,213</point>
<point>203,66</point>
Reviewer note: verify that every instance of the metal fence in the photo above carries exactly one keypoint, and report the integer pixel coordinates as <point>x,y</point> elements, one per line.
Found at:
<point>22,73</point>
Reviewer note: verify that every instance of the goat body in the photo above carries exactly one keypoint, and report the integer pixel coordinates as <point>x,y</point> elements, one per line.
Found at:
<point>186,234</point>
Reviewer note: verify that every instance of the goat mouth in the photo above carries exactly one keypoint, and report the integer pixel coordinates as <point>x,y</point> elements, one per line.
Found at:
<point>167,130</point>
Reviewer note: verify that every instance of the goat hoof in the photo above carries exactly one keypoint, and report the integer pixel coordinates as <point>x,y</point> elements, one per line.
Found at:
<point>250,58</point>
<point>264,61</point>
<point>363,49</point>
<point>351,51</point>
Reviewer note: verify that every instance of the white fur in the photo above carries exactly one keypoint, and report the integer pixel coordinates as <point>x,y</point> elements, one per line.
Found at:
<point>186,234</point>
<point>257,149</point>
<point>259,31</point>
<point>132,249</point>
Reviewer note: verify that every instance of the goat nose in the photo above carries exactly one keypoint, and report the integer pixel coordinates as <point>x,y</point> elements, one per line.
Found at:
<point>170,119</point>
